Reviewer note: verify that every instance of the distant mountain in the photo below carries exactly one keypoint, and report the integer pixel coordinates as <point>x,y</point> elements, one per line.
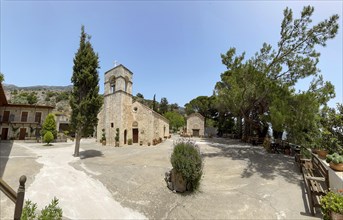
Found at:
<point>11,87</point>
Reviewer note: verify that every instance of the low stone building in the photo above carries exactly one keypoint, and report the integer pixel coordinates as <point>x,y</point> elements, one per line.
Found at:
<point>62,122</point>
<point>21,121</point>
<point>195,125</point>
<point>135,121</point>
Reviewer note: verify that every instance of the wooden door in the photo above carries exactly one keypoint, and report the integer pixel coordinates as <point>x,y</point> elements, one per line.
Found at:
<point>4,133</point>
<point>125,134</point>
<point>196,132</point>
<point>135,135</point>
<point>22,134</point>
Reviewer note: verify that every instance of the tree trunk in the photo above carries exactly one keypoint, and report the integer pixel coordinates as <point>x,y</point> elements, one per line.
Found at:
<point>239,127</point>
<point>77,144</point>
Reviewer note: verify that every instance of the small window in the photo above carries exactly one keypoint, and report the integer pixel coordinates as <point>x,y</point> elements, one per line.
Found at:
<point>6,116</point>
<point>24,116</point>
<point>135,109</point>
<point>38,117</point>
<point>113,85</point>
<point>111,125</point>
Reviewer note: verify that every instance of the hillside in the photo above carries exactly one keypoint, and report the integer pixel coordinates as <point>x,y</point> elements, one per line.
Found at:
<point>57,96</point>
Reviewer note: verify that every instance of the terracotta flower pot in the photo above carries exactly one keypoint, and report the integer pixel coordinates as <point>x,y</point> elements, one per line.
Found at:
<point>314,150</point>
<point>336,166</point>
<point>336,216</point>
<point>322,154</point>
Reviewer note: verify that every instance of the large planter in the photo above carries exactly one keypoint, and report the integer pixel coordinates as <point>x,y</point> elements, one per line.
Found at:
<point>179,183</point>
<point>336,167</point>
<point>336,216</point>
<point>322,154</point>
<point>315,150</point>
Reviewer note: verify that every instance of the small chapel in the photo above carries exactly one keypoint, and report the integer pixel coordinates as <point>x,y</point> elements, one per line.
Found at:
<point>135,121</point>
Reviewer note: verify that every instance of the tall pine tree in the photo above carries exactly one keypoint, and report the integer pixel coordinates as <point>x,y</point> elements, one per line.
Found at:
<point>85,101</point>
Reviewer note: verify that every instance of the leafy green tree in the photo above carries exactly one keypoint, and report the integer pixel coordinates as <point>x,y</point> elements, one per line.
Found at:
<point>176,120</point>
<point>140,95</point>
<point>48,137</point>
<point>259,90</point>
<point>203,105</point>
<point>163,105</point>
<point>154,104</point>
<point>2,78</point>
<point>32,98</point>
<point>49,125</point>
<point>174,107</point>
<point>332,128</point>
<point>85,100</point>
<point>62,96</point>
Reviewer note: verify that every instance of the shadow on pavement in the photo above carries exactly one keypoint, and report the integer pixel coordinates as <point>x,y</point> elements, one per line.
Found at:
<point>267,165</point>
<point>90,153</point>
<point>5,151</point>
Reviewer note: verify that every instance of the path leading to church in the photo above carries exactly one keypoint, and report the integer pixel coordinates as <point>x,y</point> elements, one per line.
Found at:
<point>80,196</point>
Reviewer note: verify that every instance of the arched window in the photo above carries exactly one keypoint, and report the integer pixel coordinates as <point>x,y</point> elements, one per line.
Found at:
<point>113,85</point>
<point>126,83</point>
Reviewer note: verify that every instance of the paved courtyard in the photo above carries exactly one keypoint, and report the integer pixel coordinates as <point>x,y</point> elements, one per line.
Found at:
<point>240,181</point>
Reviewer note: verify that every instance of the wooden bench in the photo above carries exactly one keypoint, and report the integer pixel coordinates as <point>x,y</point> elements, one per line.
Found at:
<point>316,178</point>
<point>300,159</point>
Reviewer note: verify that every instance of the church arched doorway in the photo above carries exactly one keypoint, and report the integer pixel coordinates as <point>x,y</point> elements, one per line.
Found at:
<point>125,136</point>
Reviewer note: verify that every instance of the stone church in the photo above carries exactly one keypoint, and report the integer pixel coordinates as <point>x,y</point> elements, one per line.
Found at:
<point>134,120</point>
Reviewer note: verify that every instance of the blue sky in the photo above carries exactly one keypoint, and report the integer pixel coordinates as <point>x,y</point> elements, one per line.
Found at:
<point>172,47</point>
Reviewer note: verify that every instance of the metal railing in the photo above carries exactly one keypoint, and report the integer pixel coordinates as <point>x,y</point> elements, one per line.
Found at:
<point>16,197</point>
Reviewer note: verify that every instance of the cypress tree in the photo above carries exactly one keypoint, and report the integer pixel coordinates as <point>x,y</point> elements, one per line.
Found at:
<point>85,100</point>
<point>49,125</point>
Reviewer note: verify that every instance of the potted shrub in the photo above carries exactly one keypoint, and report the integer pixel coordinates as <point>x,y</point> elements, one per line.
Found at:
<point>336,161</point>
<point>322,151</point>
<point>103,137</point>
<point>332,205</point>
<point>129,142</point>
<point>187,167</point>
<point>117,137</point>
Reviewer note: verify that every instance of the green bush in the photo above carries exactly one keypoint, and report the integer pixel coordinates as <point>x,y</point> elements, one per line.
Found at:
<point>117,135</point>
<point>29,211</point>
<point>332,202</point>
<point>49,125</point>
<point>129,142</point>
<point>48,137</point>
<point>186,159</point>
<point>103,136</point>
<point>52,211</point>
